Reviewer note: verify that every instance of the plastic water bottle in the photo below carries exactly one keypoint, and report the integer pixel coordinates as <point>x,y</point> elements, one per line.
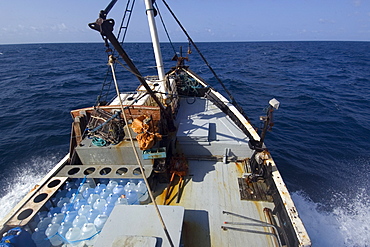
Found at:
<point>58,218</point>
<point>122,201</point>
<point>87,232</point>
<point>142,191</point>
<point>36,219</point>
<point>77,205</point>
<point>129,186</point>
<point>63,229</point>
<point>108,208</point>
<point>93,213</point>
<point>39,238</point>
<point>53,210</point>
<point>105,193</point>
<point>79,221</point>
<point>132,198</point>
<point>71,192</point>
<point>99,204</point>
<point>104,181</point>
<point>48,204</point>
<point>78,181</point>
<point>92,199</point>
<point>111,184</point>
<point>87,192</point>
<point>40,215</point>
<point>72,235</point>
<point>99,187</point>
<point>61,201</point>
<point>112,198</point>
<point>100,221</point>
<point>123,181</point>
<point>84,210</point>
<point>70,216</point>
<point>75,197</point>
<point>51,233</point>
<point>60,194</point>
<point>90,182</point>
<point>82,187</point>
<point>44,223</point>
<point>69,185</point>
<point>119,190</point>
<point>66,207</point>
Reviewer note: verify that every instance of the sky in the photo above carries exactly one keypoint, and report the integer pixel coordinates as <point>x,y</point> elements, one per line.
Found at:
<point>50,21</point>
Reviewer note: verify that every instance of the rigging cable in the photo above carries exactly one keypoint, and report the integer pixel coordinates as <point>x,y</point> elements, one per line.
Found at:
<point>165,29</point>
<point>111,64</point>
<point>204,59</point>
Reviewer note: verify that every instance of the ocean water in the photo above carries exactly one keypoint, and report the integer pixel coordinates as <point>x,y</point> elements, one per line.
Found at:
<point>320,140</point>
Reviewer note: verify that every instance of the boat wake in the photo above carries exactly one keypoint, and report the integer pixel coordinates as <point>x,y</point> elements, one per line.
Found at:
<point>346,224</point>
<point>22,180</point>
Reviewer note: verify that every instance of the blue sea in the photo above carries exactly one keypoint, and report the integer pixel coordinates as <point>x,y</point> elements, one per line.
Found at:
<point>320,140</point>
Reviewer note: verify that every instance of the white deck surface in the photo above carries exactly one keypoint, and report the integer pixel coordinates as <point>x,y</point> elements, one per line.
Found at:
<point>212,187</point>
<point>203,129</point>
<point>127,218</point>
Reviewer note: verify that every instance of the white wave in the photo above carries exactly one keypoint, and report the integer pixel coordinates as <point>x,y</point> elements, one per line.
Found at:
<point>347,225</point>
<point>22,180</point>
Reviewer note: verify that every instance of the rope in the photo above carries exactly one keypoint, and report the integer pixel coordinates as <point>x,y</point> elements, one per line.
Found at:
<point>204,59</point>
<point>128,69</point>
<point>76,241</point>
<point>199,52</point>
<point>111,63</point>
<point>99,142</point>
<point>165,29</point>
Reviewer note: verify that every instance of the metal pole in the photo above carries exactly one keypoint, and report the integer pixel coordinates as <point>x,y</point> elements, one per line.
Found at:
<point>156,46</point>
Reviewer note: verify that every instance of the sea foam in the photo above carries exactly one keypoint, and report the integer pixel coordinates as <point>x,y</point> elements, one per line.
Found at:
<point>22,180</point>
<point>345,225</point>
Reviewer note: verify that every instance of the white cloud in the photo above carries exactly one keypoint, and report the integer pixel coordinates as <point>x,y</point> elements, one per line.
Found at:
<point>326,21</point>
<point>62,27</point>
<point>357,3</point>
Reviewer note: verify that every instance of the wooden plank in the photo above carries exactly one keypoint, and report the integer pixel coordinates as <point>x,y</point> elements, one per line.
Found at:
<point>131,111</point>
<point>77,130</point>
<point>253,191</point>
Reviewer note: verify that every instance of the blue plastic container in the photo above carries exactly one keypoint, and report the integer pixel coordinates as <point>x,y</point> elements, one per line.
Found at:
<point>17,237</point>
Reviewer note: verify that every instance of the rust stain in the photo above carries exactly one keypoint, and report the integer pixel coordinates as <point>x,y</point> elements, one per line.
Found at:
<point>240,168</point>
<point>155,156</point>
<point>35,187</point>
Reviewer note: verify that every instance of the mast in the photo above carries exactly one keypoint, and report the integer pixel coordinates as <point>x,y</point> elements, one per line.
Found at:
<point>150,11</point>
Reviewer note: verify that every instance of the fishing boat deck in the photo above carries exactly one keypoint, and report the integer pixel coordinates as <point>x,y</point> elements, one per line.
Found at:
<point>204,130</point>
<point>211,186</point>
